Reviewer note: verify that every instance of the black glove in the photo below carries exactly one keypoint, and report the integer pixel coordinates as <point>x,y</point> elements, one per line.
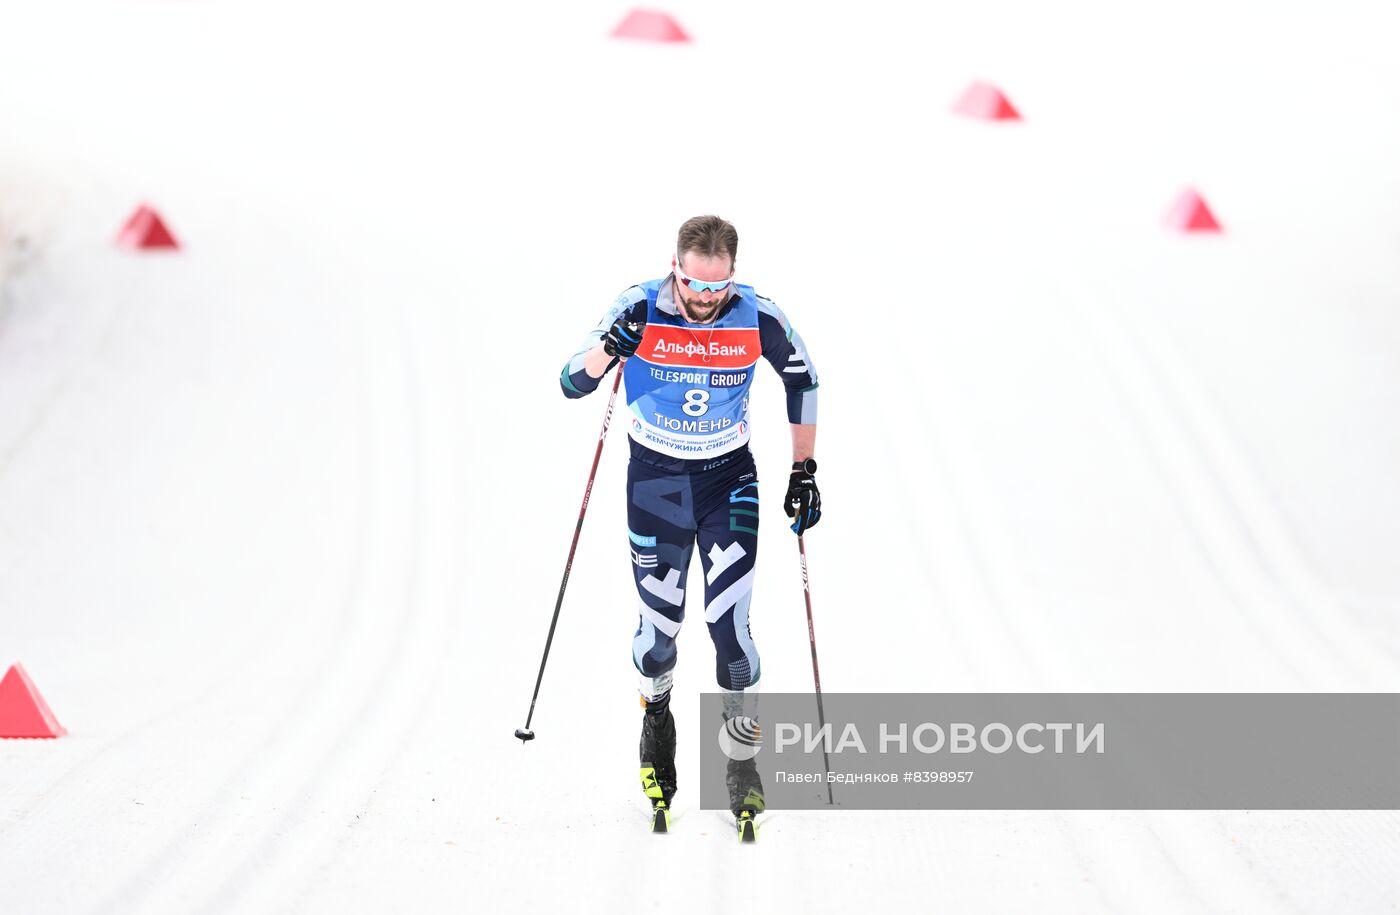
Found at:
<point>803,502</point>
<point>622,338</point>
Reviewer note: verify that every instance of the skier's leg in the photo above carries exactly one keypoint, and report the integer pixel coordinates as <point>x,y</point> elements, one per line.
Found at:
<point>657,750</point>
<point>660,533</point>
<point>741,775</point>
<point>728,540</point>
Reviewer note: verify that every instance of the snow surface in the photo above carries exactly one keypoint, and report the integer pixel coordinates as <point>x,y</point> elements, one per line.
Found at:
<point>282,516</point>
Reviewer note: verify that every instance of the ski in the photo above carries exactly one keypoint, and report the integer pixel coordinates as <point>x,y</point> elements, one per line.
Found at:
<point>660,817</point>
<point>748,826</point>
<point>660,810</point>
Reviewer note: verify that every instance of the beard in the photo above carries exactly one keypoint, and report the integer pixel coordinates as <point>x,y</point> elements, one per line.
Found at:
<point>696,311</point>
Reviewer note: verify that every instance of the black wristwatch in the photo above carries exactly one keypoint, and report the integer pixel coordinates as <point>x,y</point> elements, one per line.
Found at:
<point>808,466</point>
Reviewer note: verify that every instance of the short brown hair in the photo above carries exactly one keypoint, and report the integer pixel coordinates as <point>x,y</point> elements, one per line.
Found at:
<point>708,236</point>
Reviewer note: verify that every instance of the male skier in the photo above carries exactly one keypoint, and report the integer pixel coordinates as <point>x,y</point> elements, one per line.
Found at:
<point>689,343</point>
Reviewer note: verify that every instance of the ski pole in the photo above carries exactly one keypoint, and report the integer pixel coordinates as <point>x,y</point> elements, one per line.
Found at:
<point>525,733</point>
<point>816,673</point>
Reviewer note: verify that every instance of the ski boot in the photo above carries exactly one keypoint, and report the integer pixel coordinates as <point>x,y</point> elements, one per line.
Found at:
<point>741,775</point>
<point>658,756</point>
<point>745,796</point>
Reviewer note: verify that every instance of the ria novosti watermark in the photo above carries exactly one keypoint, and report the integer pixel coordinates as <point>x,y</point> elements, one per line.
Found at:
<point>956,737</point>
<point>1063,750</point>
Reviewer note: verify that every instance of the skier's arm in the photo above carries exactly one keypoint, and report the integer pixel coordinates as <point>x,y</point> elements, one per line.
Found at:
<point>804,441</point>
<point>587,366</point>
<point>596,362</point>
<point>785,351</point>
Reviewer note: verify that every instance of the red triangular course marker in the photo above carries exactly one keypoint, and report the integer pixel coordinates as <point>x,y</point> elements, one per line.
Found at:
<point>145,229</point>
<point>650,25</point>
<point>23,712</point>
<point>1190,214</point>
<point>987,102</point>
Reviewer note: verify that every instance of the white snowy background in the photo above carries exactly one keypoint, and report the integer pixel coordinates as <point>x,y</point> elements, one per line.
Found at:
<point>283,515</point>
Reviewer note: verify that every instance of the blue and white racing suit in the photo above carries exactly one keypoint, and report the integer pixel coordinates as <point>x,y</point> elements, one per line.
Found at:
<point>691,478</point>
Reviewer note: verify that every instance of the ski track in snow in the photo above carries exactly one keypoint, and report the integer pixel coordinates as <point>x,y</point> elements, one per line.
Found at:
<point>282,516</point>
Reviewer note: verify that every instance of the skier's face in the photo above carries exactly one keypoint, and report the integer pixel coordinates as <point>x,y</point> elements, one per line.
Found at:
<point>701,306</point>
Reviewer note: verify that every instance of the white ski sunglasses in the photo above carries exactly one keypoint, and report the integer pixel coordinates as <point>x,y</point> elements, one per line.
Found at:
<point>700,285</point>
